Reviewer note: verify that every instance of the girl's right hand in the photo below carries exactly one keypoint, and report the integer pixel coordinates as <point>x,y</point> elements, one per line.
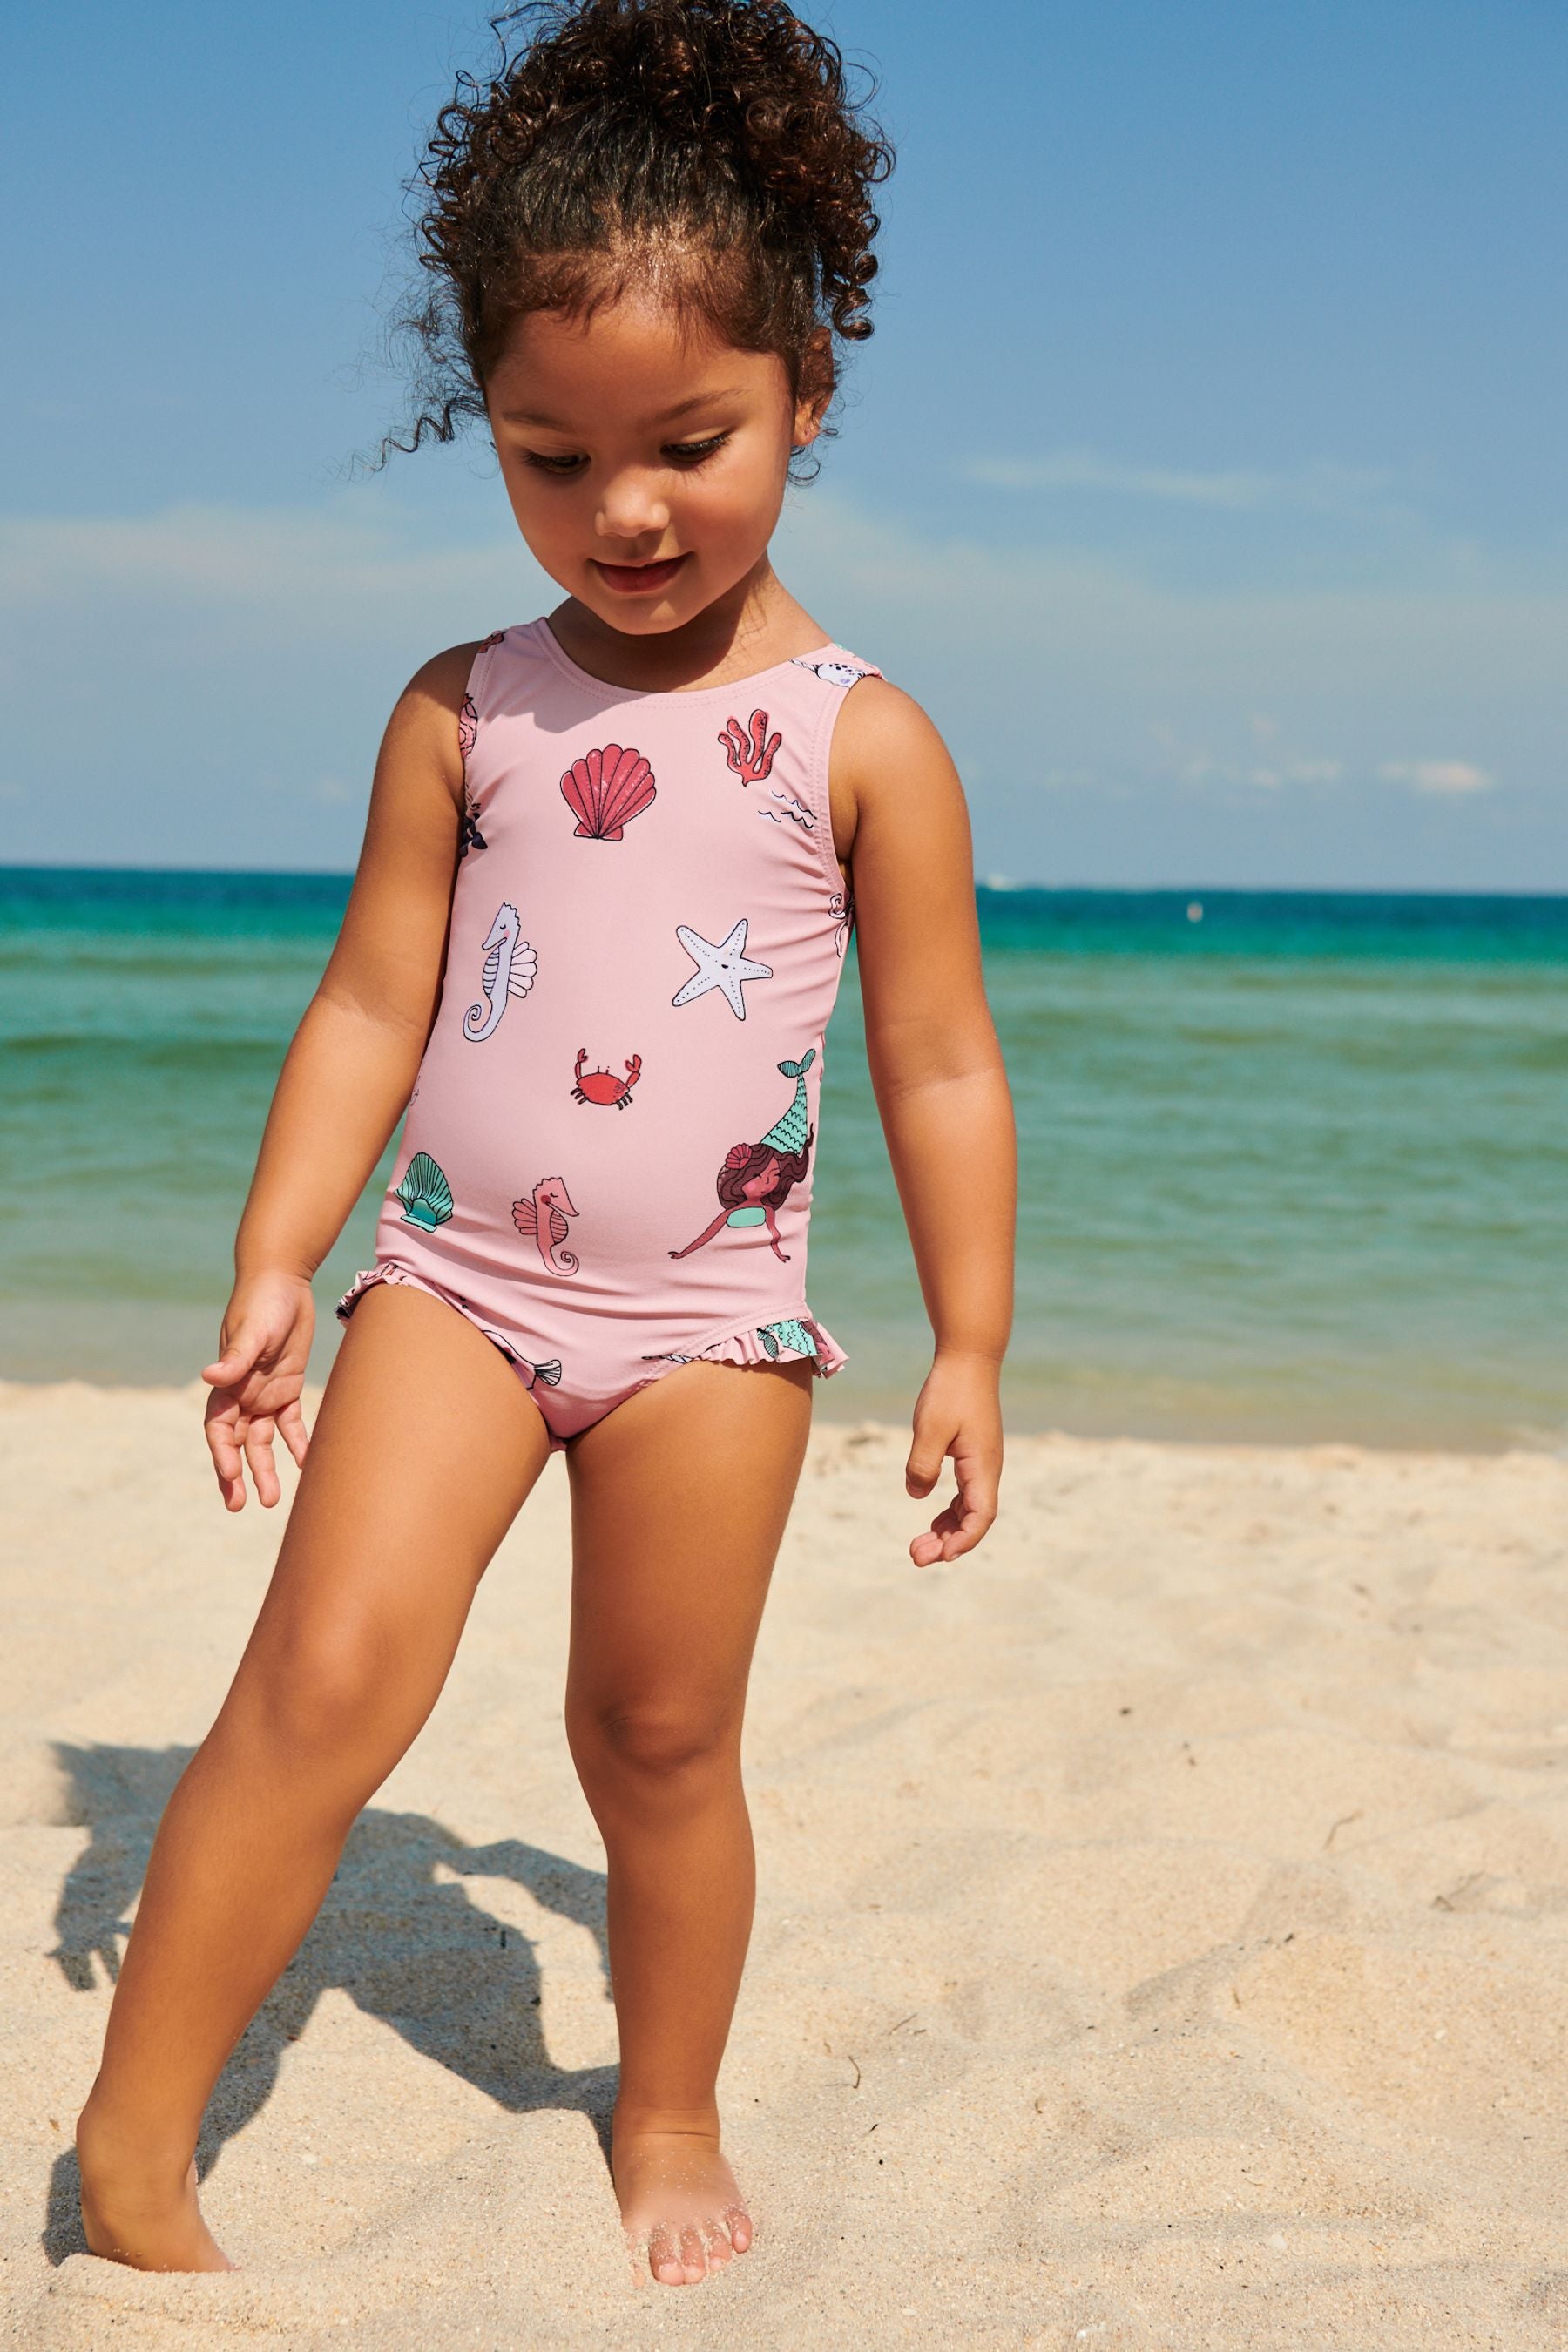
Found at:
<point>263,1349</point>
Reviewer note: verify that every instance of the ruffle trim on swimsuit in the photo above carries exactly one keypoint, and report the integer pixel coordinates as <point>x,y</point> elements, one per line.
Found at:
<point>767,1343</point>
<point>368,1280</point>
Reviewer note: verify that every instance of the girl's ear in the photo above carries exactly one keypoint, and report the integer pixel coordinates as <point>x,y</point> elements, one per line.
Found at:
<point>816,382</point>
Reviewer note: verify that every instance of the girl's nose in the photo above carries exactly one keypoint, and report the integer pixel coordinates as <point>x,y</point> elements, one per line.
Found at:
<point>630,508</point>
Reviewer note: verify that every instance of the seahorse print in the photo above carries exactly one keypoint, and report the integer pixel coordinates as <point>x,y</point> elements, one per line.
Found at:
<point>511,969</point>
<point>757,1179</point>
<point>543,1214</point>
<point>750,750</point>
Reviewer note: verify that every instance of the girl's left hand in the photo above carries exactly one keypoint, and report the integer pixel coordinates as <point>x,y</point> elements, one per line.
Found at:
<point>957,1412</point>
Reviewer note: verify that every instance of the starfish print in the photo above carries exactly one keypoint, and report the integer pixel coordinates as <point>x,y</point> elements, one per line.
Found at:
<point>724,966</point>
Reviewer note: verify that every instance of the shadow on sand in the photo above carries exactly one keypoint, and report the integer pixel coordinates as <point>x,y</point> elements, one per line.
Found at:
<point>462,1986</point>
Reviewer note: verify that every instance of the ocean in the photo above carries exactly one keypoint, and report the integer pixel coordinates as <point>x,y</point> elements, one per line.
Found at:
<point>1293,1164</point>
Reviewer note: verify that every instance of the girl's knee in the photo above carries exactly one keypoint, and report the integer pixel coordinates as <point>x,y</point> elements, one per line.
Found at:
<point>311,1693</point>
<point>652,1742</point>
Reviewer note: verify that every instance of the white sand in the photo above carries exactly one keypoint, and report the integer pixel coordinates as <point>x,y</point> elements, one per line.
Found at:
<point>1161,1940</point>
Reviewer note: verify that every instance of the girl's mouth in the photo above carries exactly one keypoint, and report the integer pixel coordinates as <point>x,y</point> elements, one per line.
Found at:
<point>637,579</point>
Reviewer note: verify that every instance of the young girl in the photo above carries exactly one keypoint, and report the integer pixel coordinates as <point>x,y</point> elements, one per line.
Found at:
<point>594,941</point>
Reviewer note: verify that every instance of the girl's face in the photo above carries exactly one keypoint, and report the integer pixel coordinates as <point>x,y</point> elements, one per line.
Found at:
<point>646,465</point>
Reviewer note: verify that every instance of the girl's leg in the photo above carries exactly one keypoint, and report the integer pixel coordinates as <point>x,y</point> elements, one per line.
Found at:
<point>678,1501</point>
<point>423,1448</point>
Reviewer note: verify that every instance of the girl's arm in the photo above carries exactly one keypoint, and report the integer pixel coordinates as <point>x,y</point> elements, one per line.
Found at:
<point>346,1081</point>
<point>936,1067</point>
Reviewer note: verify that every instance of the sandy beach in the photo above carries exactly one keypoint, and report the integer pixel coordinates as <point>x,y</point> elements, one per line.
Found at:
<point>1162,1938</point>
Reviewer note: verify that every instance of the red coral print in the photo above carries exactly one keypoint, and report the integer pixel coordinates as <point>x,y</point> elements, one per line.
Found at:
<point>750,750</point>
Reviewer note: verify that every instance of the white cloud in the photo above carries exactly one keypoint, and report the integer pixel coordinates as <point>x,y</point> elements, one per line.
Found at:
<point>166,668</point>
<point>1328,487</point>
<point>345,563</point>
<point>1447,777</point>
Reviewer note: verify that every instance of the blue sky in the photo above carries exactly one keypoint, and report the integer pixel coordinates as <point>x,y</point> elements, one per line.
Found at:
<point>1204,479</point>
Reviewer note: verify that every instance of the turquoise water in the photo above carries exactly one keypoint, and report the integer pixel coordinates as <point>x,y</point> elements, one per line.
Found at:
<point>1292,1170</point>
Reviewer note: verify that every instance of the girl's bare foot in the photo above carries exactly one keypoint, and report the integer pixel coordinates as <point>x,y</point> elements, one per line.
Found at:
<point>130,2214</point>
<point>680,2207</point>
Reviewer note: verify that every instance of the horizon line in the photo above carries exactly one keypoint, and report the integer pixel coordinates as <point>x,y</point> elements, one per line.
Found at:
<point>994,885</point>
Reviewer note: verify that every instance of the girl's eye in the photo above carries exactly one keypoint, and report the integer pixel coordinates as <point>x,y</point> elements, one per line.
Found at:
<point>692,452</point>
<point>685,452</point>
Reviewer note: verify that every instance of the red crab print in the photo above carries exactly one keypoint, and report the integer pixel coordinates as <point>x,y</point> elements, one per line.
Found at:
<point>750,750</point>
<point>603,1086</point>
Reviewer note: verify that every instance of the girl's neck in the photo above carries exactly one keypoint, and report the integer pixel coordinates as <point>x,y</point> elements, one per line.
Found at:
<point>756,624</point>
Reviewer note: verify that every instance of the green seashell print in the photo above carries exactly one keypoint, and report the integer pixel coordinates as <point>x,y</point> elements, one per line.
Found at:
<point>426,1196</point>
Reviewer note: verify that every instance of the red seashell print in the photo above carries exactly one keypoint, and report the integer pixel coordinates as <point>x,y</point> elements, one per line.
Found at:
<point>607,789</point>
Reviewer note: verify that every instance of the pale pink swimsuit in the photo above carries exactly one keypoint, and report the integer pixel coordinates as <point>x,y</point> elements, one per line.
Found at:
<point>606,1163</point>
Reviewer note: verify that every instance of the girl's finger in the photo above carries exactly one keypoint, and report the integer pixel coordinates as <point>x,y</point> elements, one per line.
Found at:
<point>927,1456</point>
<point>960,1525</point>
<point>237,1358</point>
<point>291,1429</point>
<point>259,1454</point>
<point>224,1448</point>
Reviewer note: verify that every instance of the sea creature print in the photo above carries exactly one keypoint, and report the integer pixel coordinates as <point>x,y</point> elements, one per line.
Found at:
<point>750,750</point>
<point>796,811</point>
<point>726,966</point>
<point>511,969</point>
<point>547,1375</point>
<point>757,1179</point>
<point>835,673</point>
<point>841,905</point>
<point>605,790</point>
<point>426,1196</point>
<point>789,1333</point>
<point>470,837</point>
<point>603,1086</point>
<point>543,1214</point>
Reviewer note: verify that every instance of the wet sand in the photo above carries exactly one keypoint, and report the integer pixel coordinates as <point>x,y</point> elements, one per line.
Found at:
<point>1162,1937</point>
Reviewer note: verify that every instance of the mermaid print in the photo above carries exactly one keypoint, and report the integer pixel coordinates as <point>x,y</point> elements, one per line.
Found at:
<point>750,750</point>
<point>757,1179</point>
<point>542,1216</point>
<point>511,969</point>
<point>790,1333</point>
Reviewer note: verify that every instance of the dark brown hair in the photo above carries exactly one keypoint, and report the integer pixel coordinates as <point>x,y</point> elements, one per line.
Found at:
<point>707,149</point>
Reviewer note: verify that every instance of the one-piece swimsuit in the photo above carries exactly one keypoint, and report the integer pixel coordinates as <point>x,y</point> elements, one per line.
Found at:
<point>606,1161</point>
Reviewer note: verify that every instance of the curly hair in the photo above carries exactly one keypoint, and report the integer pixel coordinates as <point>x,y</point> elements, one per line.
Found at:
<point>709,149</point>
